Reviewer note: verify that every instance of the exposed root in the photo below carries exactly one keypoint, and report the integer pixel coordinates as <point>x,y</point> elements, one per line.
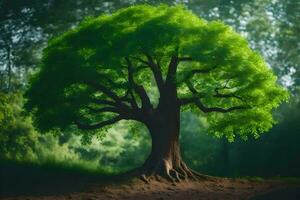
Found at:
<point>164,170</point>
<point>203,176</point>
<point>175,174</point>
<point>188,171</point>
<point>182,173</point>
<point>145,179</point>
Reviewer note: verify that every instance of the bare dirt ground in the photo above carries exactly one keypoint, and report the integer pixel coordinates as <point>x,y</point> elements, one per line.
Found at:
<point>220,188</point>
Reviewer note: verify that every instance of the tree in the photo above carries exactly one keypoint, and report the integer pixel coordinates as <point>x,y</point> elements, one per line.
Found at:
<point>18,41</point>
<point>146,64</point>
<point>17,135</point>
<point>288,51</point>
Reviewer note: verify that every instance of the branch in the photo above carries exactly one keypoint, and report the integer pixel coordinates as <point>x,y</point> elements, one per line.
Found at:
<point>218,109</point>
<point>185,101</point>
<point>171,74</point>
<point>191,88</point>
<point>118,101</point>
<point>104,109</point>
<point>185,59</point>
<point>97,125</point>
<point>103,89</point>
<point>126,97</point>
<point>126,111</point>
<point>229,95</point>
<point>196,100</point>
<point>198,71</point>
<point>140,60</point>
<point>141,67</point>
<point>104,102</point>
<point>131,100</point>
<point>111,82</point>
<point>156,72</point>
<point>146,104</point>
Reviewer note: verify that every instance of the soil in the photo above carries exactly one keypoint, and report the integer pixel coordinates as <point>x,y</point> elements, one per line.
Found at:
<point>220,188</point>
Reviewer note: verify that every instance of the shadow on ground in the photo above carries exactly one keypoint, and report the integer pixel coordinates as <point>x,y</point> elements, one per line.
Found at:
<point>290,193</point>
<point>27,179</point>
<point>53,183</point>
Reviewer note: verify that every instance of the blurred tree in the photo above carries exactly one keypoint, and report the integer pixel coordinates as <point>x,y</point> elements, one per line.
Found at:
<point>276,153</point>
<point>17,135</point>
<point>288,52</point>
<point>200,150</point>
<point>26,25</point>
<point>188,62</point>
<point>18,40</point>
<point>270,26</point>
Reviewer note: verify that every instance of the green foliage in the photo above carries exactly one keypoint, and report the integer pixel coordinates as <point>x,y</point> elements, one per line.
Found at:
<point>93,55</point>
<point>17,135</point>
<point>118,151</point>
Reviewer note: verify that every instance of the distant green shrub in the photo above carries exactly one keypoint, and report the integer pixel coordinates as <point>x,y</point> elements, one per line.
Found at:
<point>17,135</point>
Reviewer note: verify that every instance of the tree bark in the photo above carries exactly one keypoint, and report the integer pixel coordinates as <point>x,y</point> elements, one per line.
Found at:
<point>165,152</point>
<point>165,158</point>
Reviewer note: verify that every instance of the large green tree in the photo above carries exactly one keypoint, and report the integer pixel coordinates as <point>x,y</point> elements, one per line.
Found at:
<point>146,64</point>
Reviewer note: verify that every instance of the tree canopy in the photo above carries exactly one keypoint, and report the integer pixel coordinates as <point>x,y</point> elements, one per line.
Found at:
<point>116,67</point>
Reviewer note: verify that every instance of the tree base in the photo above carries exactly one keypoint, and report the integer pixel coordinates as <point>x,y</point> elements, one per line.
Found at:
<point>164,170</point>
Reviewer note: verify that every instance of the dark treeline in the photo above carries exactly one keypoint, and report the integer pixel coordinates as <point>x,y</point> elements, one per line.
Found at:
<point>270,26</point>
<point>275,153</point>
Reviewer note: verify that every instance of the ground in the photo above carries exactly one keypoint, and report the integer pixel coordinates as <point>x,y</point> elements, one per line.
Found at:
<point>221,188</point>
<point>52,182</point>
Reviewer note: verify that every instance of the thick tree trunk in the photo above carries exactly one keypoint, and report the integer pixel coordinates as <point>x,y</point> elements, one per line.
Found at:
<point>165,157</point>
<point>165,152</point>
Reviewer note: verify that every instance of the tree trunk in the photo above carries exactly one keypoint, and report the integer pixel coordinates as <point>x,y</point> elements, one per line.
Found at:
<point>9,69</point>
<point>165,157</point>
<point>165,152</point>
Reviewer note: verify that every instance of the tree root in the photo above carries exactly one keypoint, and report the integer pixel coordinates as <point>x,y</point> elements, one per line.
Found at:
<point>164,170</point>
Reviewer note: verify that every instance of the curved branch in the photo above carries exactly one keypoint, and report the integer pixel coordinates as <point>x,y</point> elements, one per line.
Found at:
<point>123,109</point>
<point>83,126</point>
<point>118,102</point>
<point>131,99</point>
<point>111,82</point>
<point>197,101</point>
<point>104,102</point>
<point>185,101</point>
<point>140,60</point>
<point>205,109</point>
<point>146,104</point>
<point>103,89</point>
<point>229,95</point>
<point>185,59</point>
<point>156,72</point>
<point>197,71</point>
<point>171,74</point>
<point>104,109</point>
